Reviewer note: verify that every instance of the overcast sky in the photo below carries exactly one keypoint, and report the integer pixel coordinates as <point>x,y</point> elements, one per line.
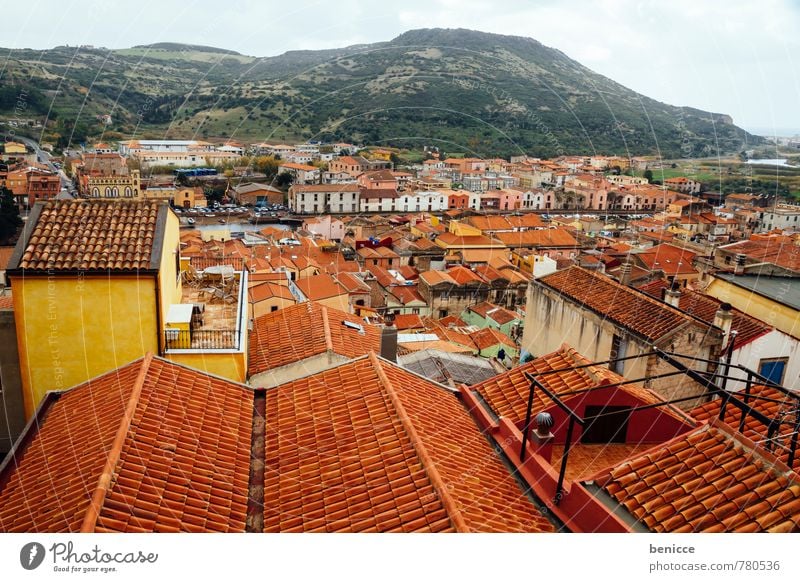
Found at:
<point>729,56</point>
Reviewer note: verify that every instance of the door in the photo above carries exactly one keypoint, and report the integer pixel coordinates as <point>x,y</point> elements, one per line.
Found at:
<point>773,369</point>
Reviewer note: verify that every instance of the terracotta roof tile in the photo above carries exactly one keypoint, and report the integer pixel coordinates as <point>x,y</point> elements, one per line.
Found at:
<point>319,287</point>
<point>488,337</point>
<point>408,321</point>
<point>176,443</point>
<point>705,307</point>
<point>627,307</point>
<point>6,302</point>
<point>304,330</point>
<point>669,258</point>
<point>368,446</point>
<point>748,493</point>
<point>780,406</point>
<point>507,393</point>
<point>543,238</point>
<point>91,235</point>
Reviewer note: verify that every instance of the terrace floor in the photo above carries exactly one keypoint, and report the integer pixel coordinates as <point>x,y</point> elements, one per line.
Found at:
<point>215,326</point>
<point>586,460</point>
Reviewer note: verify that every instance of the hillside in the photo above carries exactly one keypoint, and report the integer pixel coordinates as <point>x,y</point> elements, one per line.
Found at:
<point>463,90</point>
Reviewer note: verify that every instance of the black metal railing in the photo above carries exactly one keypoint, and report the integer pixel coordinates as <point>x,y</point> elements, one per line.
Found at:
<point>201,339</point>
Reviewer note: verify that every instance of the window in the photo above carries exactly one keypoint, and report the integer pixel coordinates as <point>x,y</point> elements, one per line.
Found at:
<point>773,369</point>
<point>605,424</point>
<point>273,308</point>
<point>619,347</point>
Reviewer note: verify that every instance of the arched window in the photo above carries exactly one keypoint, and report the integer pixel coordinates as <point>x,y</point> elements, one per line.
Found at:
<point>95,192</point>
<point>107,192</point>
<point>115,192</point>
<point>128,192</point>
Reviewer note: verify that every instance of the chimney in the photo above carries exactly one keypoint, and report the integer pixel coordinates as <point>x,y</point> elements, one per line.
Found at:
<point>542,437</point>
<point>723,319</point>
<point>389,338</point>
<point>672,296</point>
<point>738,263</point>
<point>625,272</point>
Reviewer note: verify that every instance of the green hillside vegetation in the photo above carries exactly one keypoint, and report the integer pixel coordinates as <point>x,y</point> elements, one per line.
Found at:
<point>464,91</point>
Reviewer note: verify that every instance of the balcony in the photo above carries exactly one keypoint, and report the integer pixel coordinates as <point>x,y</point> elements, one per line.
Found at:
<point>212,314</point>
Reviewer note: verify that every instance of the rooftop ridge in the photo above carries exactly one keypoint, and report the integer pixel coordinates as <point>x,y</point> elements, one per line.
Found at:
<point>430,468</point>
<point>103,484</point>
<point>326,327</point>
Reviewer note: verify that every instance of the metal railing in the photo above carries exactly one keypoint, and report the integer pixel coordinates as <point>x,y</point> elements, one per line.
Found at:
<point>202,263</point>
<point>201,339</point>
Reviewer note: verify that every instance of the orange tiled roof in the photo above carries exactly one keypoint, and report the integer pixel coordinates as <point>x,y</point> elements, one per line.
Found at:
<point>705,307</point>
<point>488,337</point>
<point>708,480</point>
<point>779,251</point>
<point>268,290</point>
<point>92,235</point>
<point>548,237</point>
<point>6,302</point>
<point>408,321</point>
<point>168,449</point>
<point>669,258</point>
<point>625,306</point>
<point>319,287</point>
<point>370,447</point>
<point>304,330</point>
<point>507,394</point>
<point>781,407</point>
<point>464,276</point>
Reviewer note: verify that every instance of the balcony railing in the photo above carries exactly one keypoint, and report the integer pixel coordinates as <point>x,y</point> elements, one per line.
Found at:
<point>201,339</point>
<point>202,263</point>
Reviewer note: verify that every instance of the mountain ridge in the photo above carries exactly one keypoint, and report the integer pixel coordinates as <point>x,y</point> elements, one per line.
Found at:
<point>464,90</point>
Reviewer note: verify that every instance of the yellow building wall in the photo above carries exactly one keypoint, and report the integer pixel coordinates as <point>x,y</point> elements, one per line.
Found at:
<point>71,329</point>
<point>169,282</point>
<point>231,366</point>
<point>264,307</point>
<point>340,302</point>
<point>770,312</point>
<point>462,229</point>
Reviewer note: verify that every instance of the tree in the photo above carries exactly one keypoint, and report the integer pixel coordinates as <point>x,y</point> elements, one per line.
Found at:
<point>284,180</point>
<point>648,175</point>
<point>9,215</point>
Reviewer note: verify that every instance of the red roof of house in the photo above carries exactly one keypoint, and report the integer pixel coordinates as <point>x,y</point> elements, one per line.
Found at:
<point>488,337</point>
<point>167,449</point>
<point>779,406</point>
<point>547,237</point>
<point>487,310</point>
<point>464,276</point>
<point>406,294</point>
<point>780,250</point>
<point>708,480</point>
<point>408,321</point>
<point>319,287</point>
<point>92,235</point>
<point>304,330</point>
<point>625,306</point>
<point>705,307</point>
<point>352,282</point>
<point>267,290</point>
<point>507,394</point>
<point>370,447</point>
<point>669,258</point>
